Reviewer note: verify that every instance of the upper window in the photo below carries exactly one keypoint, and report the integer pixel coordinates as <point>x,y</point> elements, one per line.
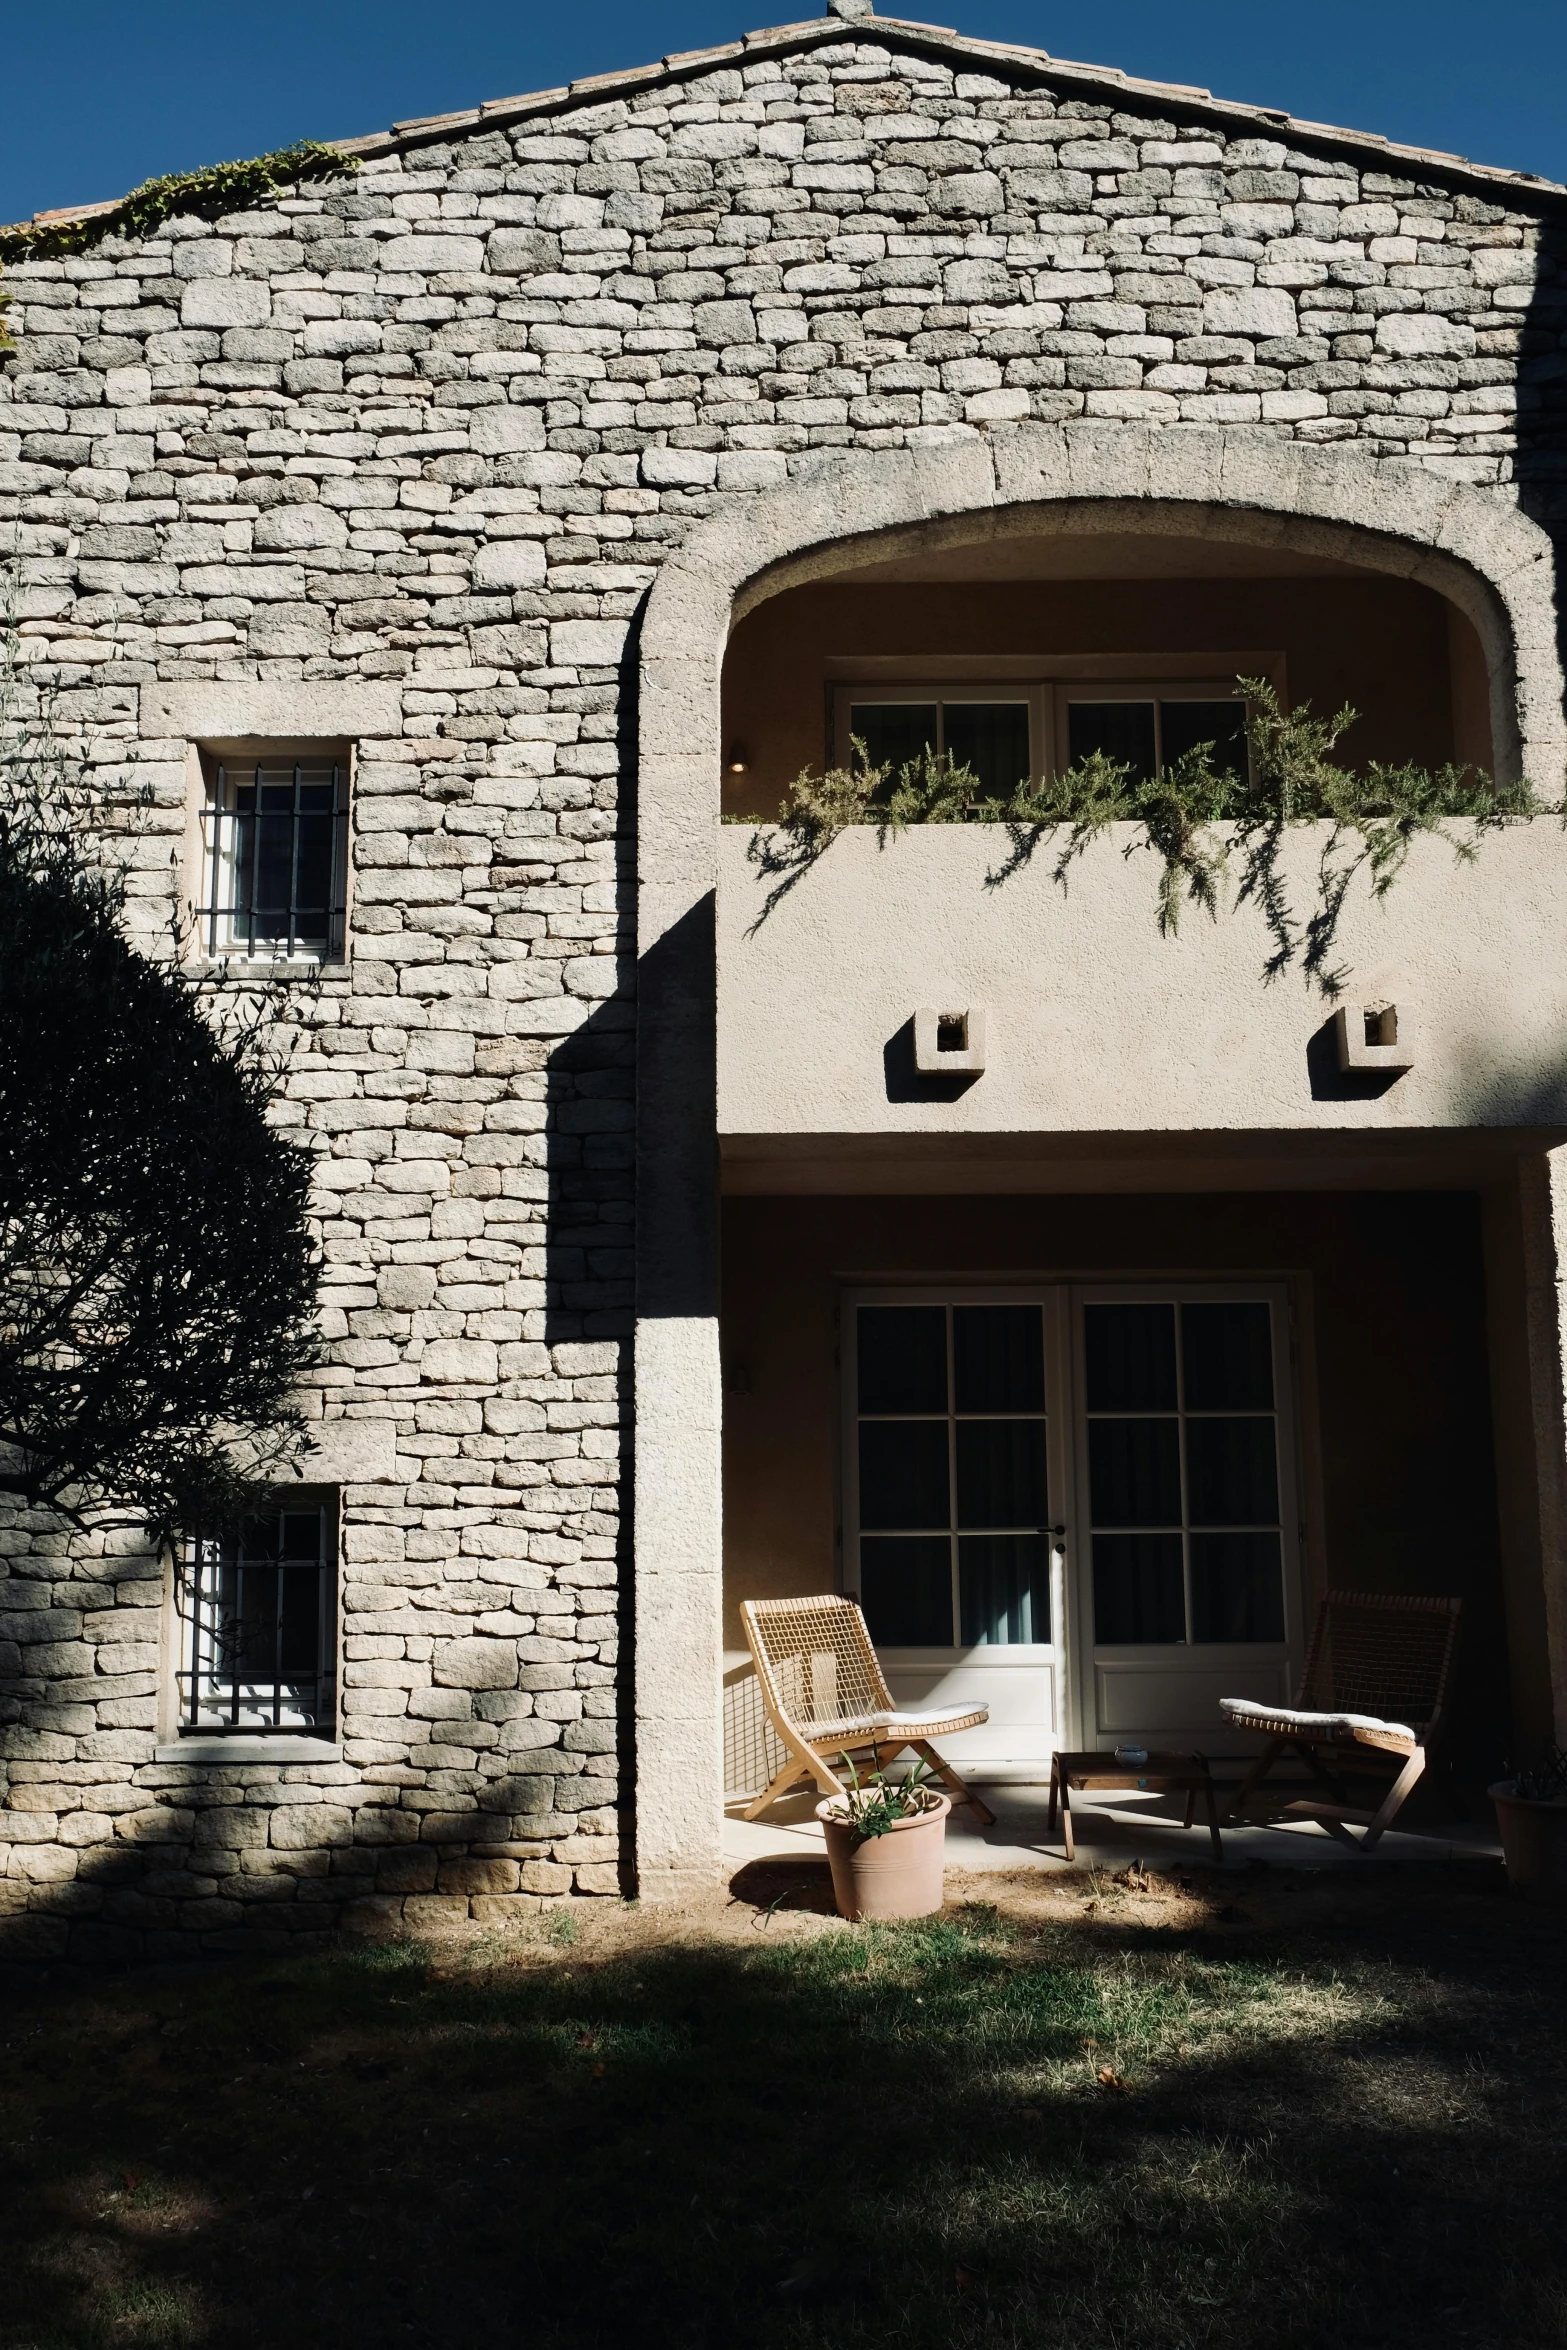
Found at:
<point>1148,731</point>
<point>1008,733</point>
<point>275,856</point>
<point>992,733</point>
<point>258,1623</point>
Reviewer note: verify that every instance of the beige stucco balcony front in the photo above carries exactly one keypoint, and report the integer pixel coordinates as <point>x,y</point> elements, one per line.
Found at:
<point>1099,1027</point>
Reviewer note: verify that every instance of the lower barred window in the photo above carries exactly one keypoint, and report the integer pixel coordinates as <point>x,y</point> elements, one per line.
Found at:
<point>258,1617</point>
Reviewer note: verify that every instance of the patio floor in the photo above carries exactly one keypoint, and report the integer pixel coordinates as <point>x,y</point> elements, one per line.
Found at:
<point>1110,1830</point>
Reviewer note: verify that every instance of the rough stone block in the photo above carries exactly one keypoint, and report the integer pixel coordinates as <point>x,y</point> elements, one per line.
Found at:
<point>307,1827</point>
<point>225,302</point>
<point>545,1876</point>
<point>479,1876</point>
<point>475,1664</point>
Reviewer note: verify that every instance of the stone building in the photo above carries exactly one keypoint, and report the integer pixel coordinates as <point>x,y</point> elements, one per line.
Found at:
<point>450,537</point>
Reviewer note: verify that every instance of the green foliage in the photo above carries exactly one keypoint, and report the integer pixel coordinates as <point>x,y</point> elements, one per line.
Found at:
<point>1374,814</point>
<point>215,189</point>
<point>877,1803</point>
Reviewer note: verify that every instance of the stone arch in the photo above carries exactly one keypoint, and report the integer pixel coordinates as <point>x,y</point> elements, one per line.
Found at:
<point>1473,545</point>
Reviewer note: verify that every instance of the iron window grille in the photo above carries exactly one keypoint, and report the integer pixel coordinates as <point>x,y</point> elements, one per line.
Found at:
<point>275,860</point>
<point>257,1610</point>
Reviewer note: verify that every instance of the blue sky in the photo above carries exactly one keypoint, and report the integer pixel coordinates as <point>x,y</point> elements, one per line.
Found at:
<point>103,93</point>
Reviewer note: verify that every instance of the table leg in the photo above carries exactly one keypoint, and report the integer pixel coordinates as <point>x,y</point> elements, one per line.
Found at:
<point>1066,1817</point>
<point>1213,1822</point>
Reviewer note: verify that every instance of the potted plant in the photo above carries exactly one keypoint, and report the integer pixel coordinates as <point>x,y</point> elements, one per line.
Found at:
<point>885,1841</point>
<point>1531,1812</point>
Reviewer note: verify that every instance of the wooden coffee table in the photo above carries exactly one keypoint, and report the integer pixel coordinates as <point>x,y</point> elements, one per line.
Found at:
<point>1160,1774</point>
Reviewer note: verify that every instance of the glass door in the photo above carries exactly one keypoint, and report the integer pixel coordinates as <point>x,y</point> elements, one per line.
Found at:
<point>1186,1582</point>
<point>954,1472</point>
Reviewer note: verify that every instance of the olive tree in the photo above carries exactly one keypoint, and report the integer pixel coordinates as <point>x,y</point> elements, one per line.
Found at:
<point>157,1274</point>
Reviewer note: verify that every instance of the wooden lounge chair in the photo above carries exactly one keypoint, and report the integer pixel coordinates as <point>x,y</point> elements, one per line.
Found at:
<point>1372,1694</point>
<point>822,1685</point>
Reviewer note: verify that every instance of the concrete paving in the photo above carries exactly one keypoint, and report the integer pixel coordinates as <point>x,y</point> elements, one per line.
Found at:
<point>1111,1830</point>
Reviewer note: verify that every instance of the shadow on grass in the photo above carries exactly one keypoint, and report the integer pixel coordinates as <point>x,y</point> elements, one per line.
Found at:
<point>977,2132</point>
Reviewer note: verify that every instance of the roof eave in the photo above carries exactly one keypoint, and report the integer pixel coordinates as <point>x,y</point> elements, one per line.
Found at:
<point>936,40</point>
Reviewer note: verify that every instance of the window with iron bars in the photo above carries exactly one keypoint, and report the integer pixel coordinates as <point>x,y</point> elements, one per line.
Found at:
<point>258,1623</point>
<point>275,857</point>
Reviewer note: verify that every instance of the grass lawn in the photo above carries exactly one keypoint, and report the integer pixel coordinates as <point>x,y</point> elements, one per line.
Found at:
<point>1267,2111</point>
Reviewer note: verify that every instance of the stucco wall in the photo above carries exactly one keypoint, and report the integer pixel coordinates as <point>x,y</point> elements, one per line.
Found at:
<point>1096,1021</point>
<point>434,432</point>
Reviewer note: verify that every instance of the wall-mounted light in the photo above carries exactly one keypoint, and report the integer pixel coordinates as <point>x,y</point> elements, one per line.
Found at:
<point>737,759</point>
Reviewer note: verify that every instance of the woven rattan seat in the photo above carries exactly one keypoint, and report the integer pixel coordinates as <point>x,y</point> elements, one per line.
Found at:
<point>826,1696</point>
<point>1374,1686</point>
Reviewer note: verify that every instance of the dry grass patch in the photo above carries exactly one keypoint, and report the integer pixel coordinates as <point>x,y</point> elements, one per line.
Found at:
<point>1204,2113</point>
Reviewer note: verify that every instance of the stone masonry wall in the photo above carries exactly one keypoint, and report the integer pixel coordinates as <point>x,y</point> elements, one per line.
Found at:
<point>433,428</point>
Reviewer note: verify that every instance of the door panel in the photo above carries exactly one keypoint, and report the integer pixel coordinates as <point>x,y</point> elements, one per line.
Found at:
<point>955,1450</point>
<point>1180,1702</point>
<point>1023,1700</point>
<point>1185,1582</point>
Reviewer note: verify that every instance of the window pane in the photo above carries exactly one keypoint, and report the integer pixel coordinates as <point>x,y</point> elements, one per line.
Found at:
<point>1237,1587</point>
<point>1131,1358</point>
<point>299,1615</point>
<point>1232,1479</point>
<point>257,1625</point>
<point>1004,1589</point>
<point>1227,1357</point>
<point>1001,1472</point>
<point>1138,1594</point>
<point>1182,725</point>
<point>998,1355</point>
<point>894,732</point>
<point>992,739</point>
<point>902,1358</point>
<point>1124,731</point>
<point>1134,1472</point>
<point>906,1592</point>
<point>903,1473</point>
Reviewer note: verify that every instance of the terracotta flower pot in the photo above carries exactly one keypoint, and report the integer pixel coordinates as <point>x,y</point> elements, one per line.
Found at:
<point>1534,1841</point>
<point>896,1875</point>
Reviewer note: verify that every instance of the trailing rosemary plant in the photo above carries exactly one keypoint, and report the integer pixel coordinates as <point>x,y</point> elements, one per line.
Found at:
<point>1373,813</point>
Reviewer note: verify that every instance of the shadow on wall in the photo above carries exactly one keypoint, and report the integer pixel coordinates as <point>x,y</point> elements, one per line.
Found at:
<point>107,1857</point>
<point>1542,415</point>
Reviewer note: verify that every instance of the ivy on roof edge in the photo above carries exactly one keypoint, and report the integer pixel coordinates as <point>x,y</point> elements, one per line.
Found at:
<point>215,189</point>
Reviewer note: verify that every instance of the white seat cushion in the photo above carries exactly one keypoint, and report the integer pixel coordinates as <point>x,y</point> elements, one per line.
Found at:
<point>1247,1713</point>
<point>912,1725</point>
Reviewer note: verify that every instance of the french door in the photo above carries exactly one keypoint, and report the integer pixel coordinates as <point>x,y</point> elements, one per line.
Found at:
<point>1073,1504</point>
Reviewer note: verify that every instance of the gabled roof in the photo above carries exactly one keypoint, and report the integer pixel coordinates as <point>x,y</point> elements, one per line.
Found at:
<point>852,20</point>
